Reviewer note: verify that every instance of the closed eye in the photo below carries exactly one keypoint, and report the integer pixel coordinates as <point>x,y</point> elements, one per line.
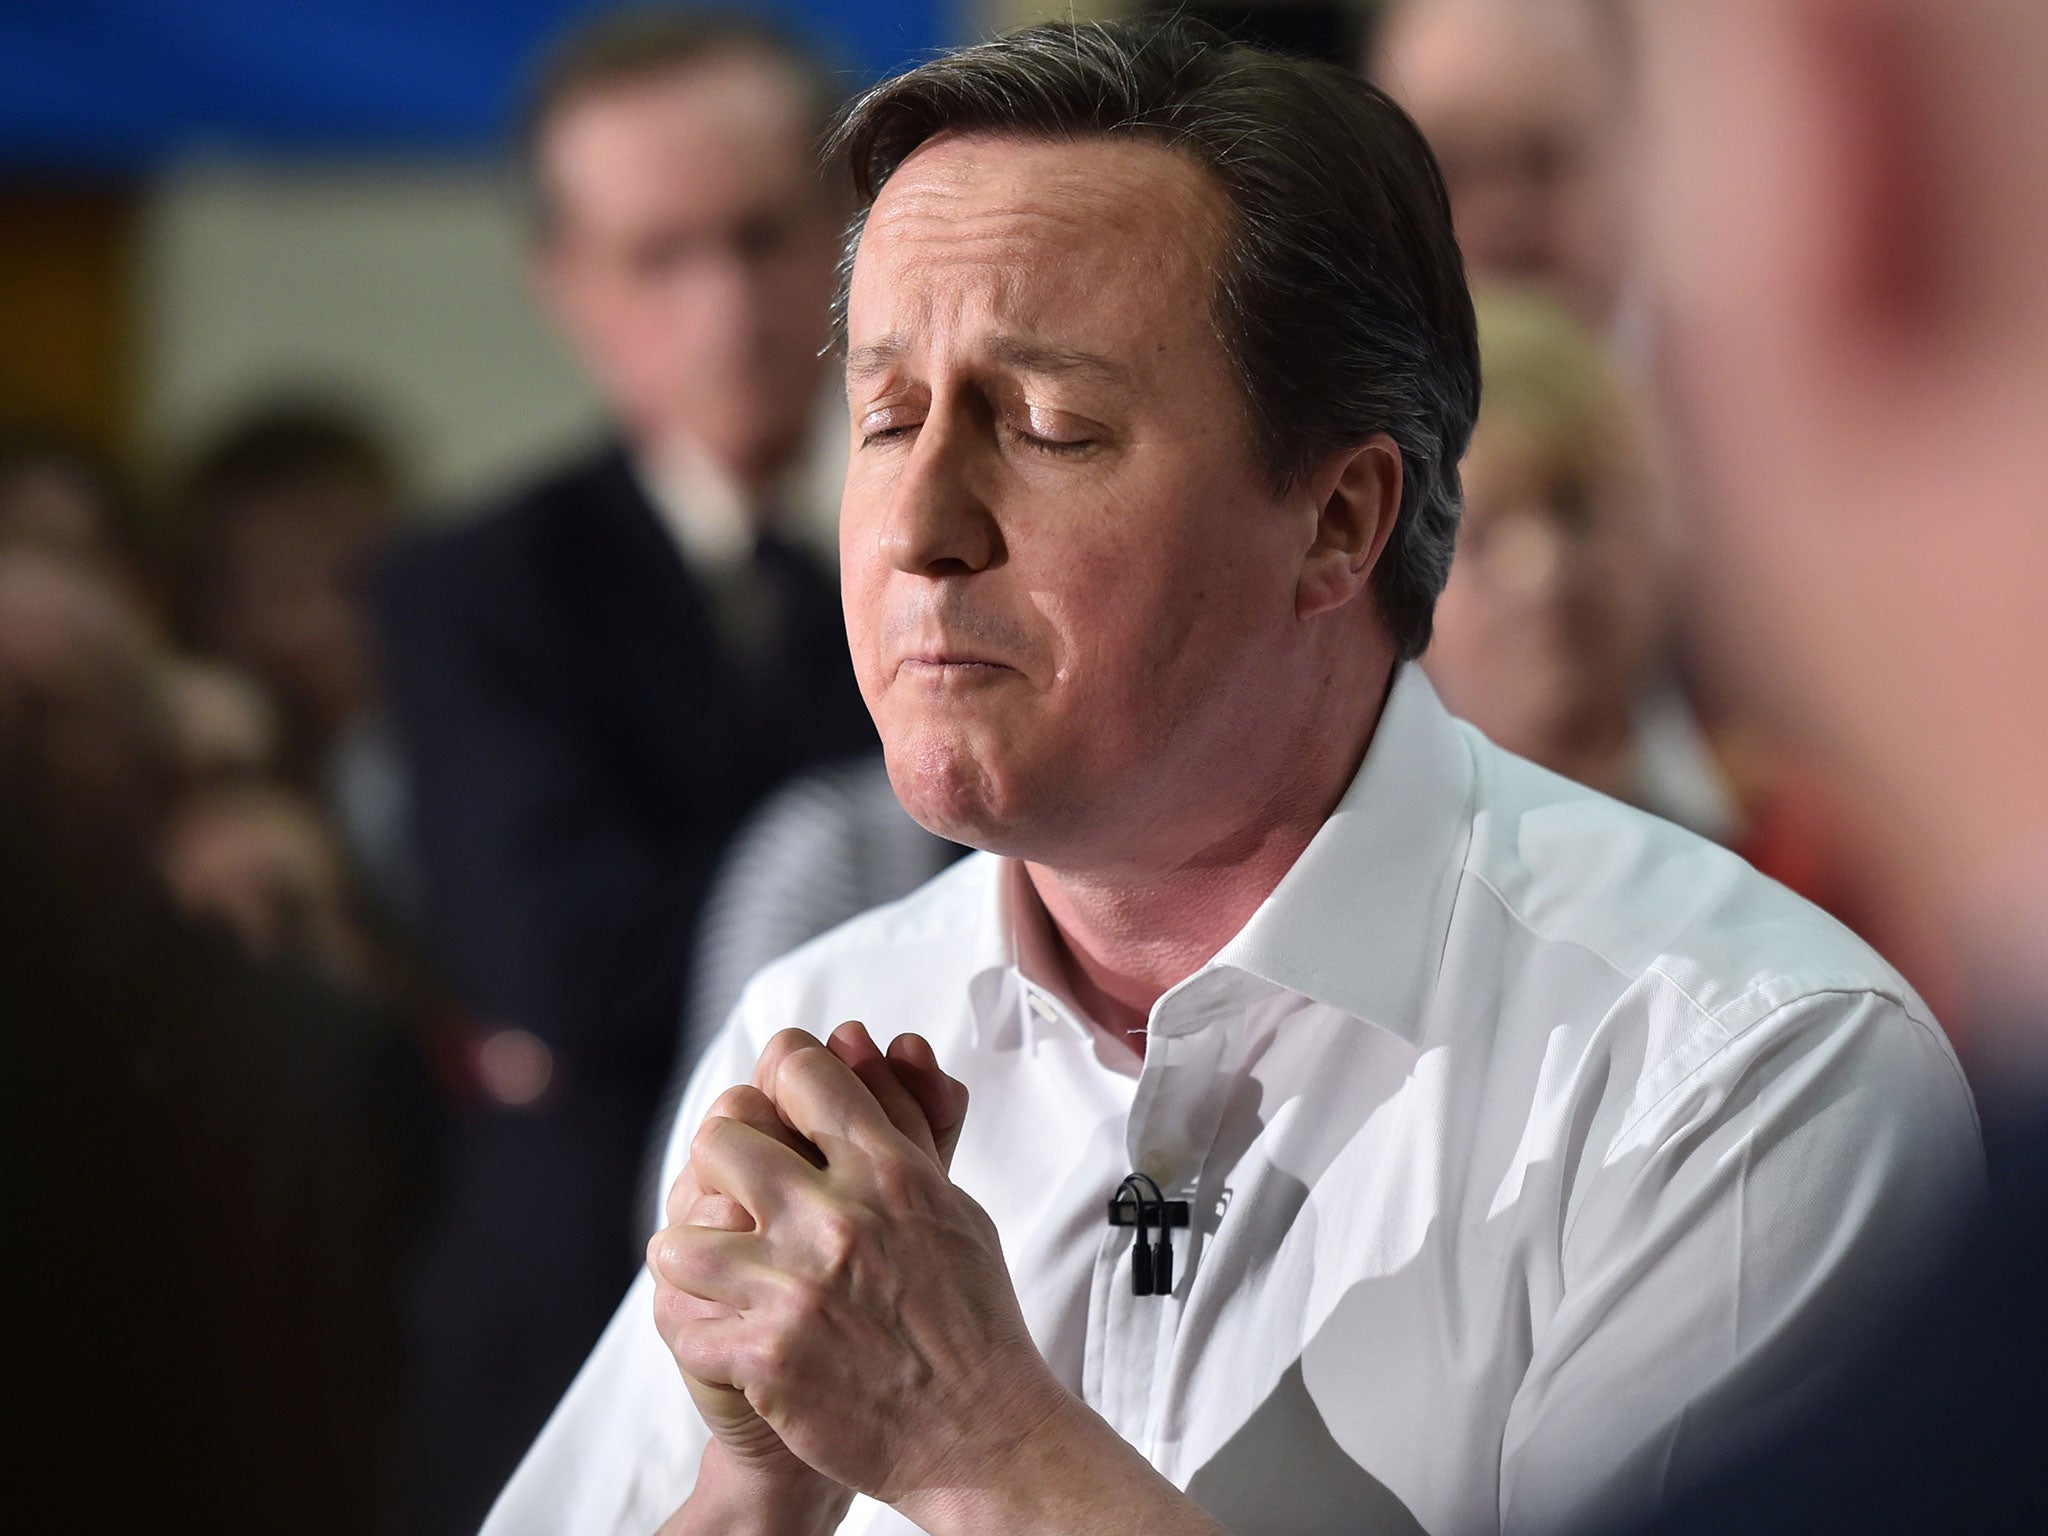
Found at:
<point>1055,445</point>
<point>888,424</point>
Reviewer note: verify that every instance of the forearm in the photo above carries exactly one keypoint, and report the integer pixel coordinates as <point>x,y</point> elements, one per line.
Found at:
<point>1071,1476</point>
<point>734,1498</point>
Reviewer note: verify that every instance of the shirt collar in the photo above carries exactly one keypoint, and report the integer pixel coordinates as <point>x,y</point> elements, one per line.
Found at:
<point>1357,924</point>
<point>703,509</point>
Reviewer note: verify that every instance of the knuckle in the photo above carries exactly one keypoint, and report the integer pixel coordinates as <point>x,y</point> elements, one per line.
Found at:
<point>776,1343</point>
<point>841,1238</point>
<point>769,1358</point>
<point>785,1042</point>
<point>806,1059</point>
<point>704,1144</point>
<point>899,1183</point>
<point>672,1312</point>
<point>735,1102</point>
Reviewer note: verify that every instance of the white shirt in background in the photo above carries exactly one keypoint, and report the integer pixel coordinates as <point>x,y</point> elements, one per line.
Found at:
<point>1539,1152</point>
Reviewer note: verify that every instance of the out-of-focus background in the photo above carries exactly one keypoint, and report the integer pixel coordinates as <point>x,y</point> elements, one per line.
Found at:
<point>204,208</point>
<point>421,695</point>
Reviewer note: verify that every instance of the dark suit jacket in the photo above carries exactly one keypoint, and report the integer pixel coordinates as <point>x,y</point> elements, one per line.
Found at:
<point>581,746</point>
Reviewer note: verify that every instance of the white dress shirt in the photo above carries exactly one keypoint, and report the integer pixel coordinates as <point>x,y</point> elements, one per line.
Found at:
<point>1538,1152</point>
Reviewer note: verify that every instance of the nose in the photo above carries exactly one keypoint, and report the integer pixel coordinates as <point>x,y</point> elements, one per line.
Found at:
<point>937,523</point>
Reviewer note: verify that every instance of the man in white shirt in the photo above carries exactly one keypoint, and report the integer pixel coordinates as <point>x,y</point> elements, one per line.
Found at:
<point>1530,1151</point>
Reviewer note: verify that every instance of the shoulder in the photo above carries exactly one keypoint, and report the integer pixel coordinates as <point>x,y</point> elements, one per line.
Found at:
<point>502,555</point>
<point>1686,983</point>
<point>1655,904</point>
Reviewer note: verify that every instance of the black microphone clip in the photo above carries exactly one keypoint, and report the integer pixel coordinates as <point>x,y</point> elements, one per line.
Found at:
<point>1151,1264</point>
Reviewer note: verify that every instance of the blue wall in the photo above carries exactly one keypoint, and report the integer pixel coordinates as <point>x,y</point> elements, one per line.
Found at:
<point>120,85</point>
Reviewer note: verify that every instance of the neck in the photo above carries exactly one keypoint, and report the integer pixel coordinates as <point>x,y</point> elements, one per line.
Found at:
<point>1126,934</point>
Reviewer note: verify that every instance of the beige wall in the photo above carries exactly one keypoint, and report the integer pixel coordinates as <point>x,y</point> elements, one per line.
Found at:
<point>397,287</point>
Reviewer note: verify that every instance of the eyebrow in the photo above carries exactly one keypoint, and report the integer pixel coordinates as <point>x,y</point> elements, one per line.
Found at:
<point>871,358</point>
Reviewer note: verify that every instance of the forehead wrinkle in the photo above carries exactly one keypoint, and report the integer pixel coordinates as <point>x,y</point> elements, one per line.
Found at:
<point>1067,216</point>
<point>1005,248</point>
<point>1026,251</point>
<point>1019,352</point>
<point>1091,192</point>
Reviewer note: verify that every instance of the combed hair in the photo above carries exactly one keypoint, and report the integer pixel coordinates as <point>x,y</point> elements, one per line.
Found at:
<point>1341,299</point>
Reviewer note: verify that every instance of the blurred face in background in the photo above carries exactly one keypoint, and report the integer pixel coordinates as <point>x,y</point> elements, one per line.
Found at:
<point>82,747</point>
<point>50,503</point>
<point>1556,612</point>
<point>1851,275</point>
<point>688,253</point>
<point>1522,104</point>
<point>284,596</point>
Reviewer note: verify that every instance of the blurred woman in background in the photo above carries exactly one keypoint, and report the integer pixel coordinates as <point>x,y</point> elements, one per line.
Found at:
<point>1557,632</point>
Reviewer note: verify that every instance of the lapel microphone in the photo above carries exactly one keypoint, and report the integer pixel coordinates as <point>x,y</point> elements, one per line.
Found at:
<point>1131,1205</point>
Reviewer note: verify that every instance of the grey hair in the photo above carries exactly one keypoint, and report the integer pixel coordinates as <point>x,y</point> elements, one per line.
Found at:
<point>1341,298</point>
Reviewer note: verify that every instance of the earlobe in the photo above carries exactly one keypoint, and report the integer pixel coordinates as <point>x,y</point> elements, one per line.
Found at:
<point>1360,499</point>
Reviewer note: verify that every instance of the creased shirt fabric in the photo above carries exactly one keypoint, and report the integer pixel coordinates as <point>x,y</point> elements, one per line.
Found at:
<point>1539,1153</point>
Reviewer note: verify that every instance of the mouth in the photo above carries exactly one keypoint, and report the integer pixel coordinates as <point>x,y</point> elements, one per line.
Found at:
<point>951,667</point>
<point>950,662</point>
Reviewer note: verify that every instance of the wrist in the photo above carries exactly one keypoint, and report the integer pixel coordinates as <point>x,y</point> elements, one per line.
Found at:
<point>1064,1470</point>
<point>743,1496</point>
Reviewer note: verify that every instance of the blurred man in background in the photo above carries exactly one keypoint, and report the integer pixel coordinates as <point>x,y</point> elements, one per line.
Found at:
<point>1525,103</point>
<point>1848,214</point>
<point>596,682</point>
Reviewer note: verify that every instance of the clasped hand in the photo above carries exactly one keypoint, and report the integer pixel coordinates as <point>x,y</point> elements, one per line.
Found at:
<point>840,1309</point>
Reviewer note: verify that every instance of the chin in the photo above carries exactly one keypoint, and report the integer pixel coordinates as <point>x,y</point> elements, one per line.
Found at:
<point>951,790</point>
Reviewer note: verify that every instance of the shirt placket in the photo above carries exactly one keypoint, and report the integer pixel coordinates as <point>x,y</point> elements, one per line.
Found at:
<point>1172,1126</point>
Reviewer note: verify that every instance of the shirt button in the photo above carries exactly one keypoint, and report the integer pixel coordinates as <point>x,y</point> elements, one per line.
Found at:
<point>1158,1168</point>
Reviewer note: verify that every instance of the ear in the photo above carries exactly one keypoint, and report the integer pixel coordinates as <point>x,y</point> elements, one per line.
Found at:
<point>1358,495</point>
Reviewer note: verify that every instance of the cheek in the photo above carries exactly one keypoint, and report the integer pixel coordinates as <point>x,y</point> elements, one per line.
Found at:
<point>1111,611</point>
<point>1155,634</point>
<point>862,587</point>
